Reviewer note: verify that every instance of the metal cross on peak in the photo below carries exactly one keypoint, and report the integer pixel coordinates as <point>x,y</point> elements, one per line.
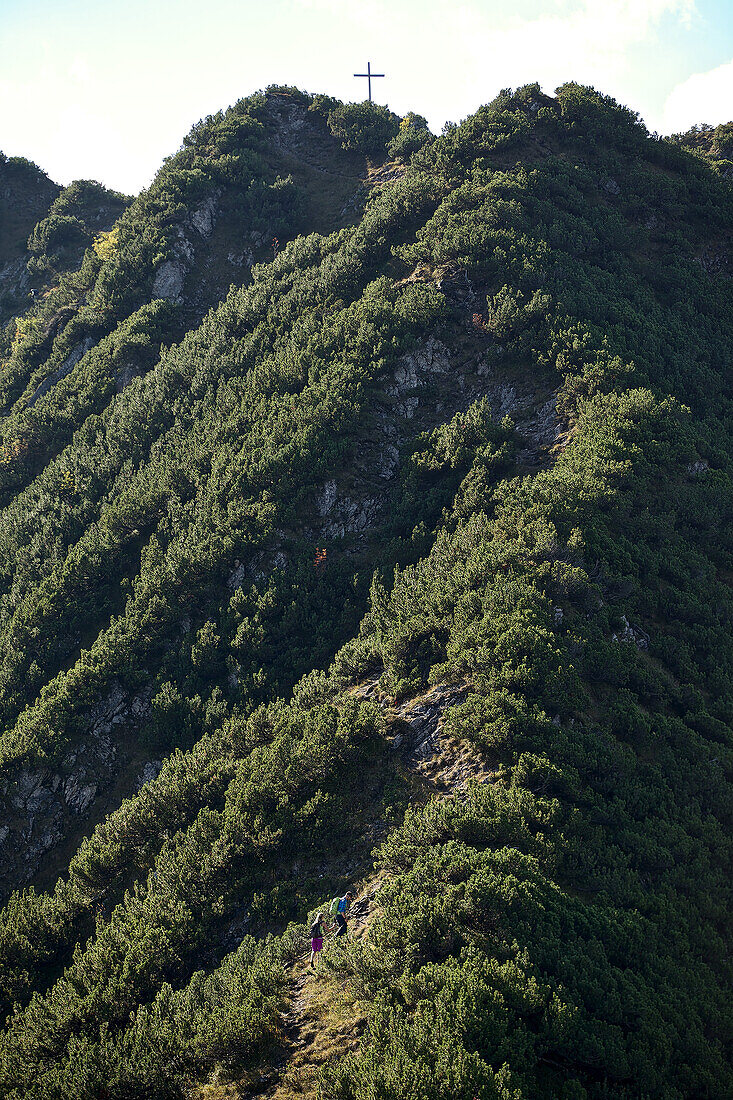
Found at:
<point>369,75</point>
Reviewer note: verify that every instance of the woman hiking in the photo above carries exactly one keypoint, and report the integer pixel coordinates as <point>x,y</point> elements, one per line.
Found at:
<point>316,937</point>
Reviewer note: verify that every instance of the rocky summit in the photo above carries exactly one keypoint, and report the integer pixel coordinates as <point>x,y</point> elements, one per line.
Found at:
<point>365,534</point>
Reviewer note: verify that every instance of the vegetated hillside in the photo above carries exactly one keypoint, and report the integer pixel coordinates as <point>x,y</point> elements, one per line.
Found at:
<point>410,561</point>
<point>713,142</point>
<point>44,232</point>
<point>26,193</point>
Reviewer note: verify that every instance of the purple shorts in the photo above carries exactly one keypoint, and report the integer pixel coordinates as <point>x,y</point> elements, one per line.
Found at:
<point>317,945</point>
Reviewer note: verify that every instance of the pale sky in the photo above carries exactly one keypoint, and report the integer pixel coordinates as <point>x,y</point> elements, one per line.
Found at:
<point>104,90</point>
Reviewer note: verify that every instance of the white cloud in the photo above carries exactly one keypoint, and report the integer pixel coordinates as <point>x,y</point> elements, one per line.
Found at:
<point>597,42</point>
<point>79,71</point>
<point>703,97</point>
<point>585,41</point>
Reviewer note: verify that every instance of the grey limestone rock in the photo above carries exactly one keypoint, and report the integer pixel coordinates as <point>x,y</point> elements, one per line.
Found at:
<point>169,280</point>
<point>66,367</point>
<point>140,703</point>
<point>326,499</point>
<point>388,461</point>
<point>203,217</point>
<point>14,276</point>
<point>633,635</point>
<point>79,795</point>
<point>245,258</point>
<point>150,772</point>
<point>407,407</point>
<point>413,369</point>
<point>124,376</point>
<point>236,577</point>
<point>103,713</point>
<point>26,785</point>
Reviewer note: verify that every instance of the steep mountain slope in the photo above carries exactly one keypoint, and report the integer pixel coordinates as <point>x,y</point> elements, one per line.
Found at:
<point>713,142</point>
<point>26,193</point>
<point>502,382</point>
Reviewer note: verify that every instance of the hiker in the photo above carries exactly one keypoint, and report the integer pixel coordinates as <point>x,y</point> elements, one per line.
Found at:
<point>339,909</point>
<point>316,936</point>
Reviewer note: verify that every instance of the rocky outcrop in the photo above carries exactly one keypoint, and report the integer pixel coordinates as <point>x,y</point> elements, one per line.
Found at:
<point>237,576</point>
<point>203,217</point>
<point>40,807</point>
<point>716,260</point>
<point>124,376</point>
<point>77,353</point>
<point>426,387</point>
<point>171,274</point>
<point>15,280</point>
<point>444,764</point>
<point>150,772</point>
<point>349,516</point>
<point>417,368</point>
<point>633,635</point>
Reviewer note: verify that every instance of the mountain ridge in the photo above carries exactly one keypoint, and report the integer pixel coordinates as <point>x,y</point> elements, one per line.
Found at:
<point>474,441</point>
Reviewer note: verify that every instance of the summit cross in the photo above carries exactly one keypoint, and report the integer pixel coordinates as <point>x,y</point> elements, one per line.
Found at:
<point>369,75</point>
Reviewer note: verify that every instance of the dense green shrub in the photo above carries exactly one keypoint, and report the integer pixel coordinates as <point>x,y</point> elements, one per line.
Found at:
<point>365,127</point>
<point>558,929</point>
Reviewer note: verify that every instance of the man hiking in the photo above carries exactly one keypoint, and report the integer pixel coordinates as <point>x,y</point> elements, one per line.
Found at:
<point>339,909</point>
<point>316,938</point>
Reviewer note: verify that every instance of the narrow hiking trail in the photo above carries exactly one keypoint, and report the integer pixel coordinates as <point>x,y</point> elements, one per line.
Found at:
<point>323,1018</point>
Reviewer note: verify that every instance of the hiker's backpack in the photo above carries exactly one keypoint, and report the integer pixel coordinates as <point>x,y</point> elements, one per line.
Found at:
<point>334,907</point>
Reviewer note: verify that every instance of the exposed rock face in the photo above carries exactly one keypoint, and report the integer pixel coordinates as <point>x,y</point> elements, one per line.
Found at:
<point>241,259</point>
<point>427,386</point>
<point>424,721</point>
<point>149,773</point>
<point>350,516</point>
<point>716,260</point>
<point>39,806</point>
<point>237,576</point>
<point>171,275</point>
<point>631,634</point>
<point>169,280</point>
<point>78,794</point>
<point>203,217</point>
<point>66,368</point>
<point>326,499</point>
<point>415,369</point>
<point>388,461</point>
<point>14,278</point>
<point>541,429</point>
<point>444,764</point>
